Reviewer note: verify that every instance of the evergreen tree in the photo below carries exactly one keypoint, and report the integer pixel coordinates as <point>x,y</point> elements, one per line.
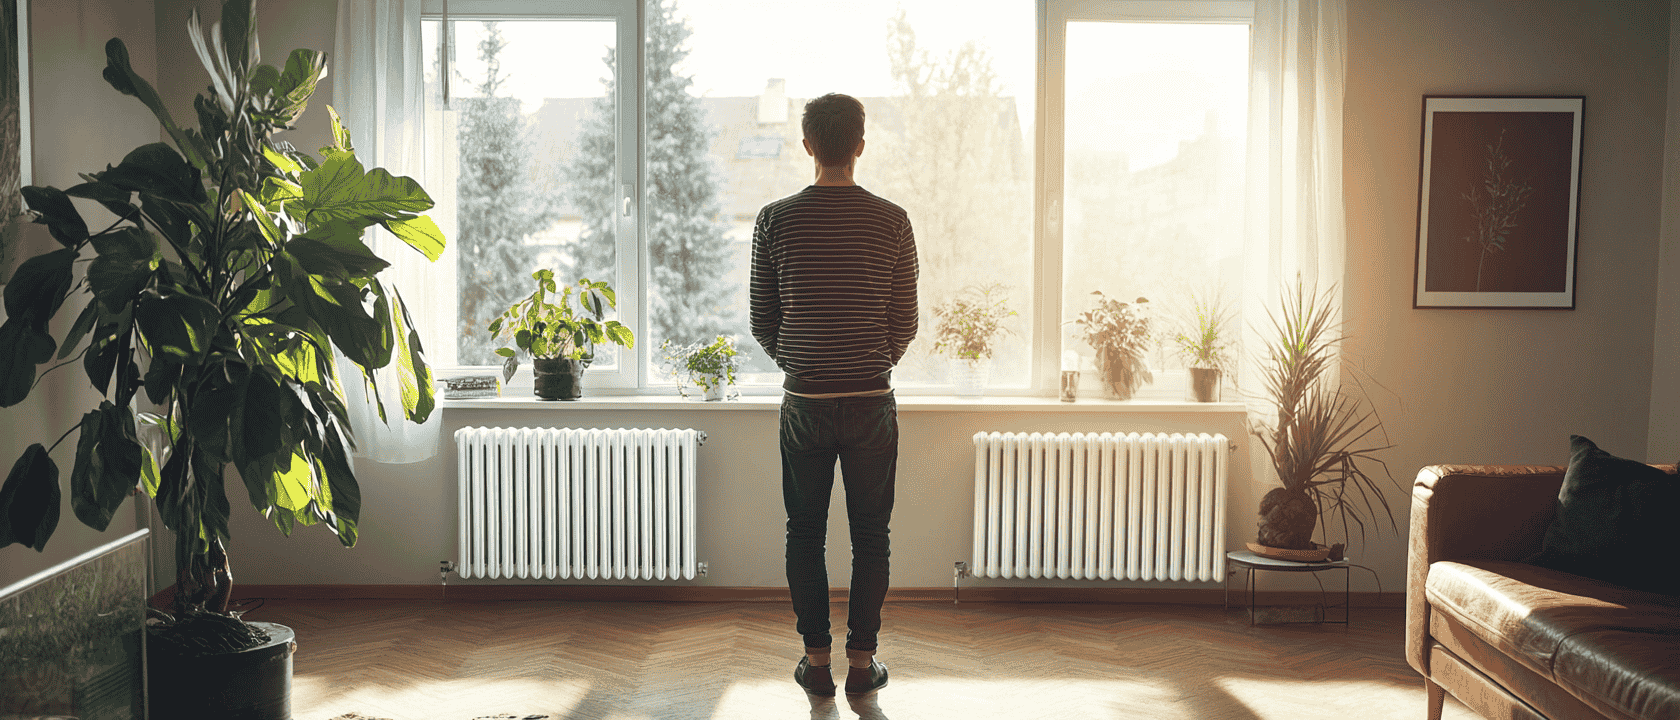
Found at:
<point>688,252</point>
<point>496,206</point>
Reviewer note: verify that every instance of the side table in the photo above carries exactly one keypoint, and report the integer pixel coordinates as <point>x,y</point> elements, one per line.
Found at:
<point>1251,562</point>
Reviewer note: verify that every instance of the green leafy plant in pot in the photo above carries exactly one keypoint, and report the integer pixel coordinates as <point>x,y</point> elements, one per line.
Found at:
<point>560,338</point>
<point>1322,438</point>
<point>711,366</point>
<point>967,328</point>
<point>1120,334</point>
<point>231,282</point>
<point>1203,344</point>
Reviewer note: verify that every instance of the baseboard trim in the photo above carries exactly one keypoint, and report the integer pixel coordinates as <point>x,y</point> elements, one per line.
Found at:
<point>713,594</point>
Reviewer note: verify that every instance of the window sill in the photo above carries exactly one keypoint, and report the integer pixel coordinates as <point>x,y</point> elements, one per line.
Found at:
<point>906,403</point>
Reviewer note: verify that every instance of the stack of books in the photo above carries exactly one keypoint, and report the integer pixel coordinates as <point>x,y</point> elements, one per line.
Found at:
<point>472,386</point>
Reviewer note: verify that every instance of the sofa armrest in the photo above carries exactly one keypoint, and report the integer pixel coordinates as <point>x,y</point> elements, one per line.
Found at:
<point>1472,512</point>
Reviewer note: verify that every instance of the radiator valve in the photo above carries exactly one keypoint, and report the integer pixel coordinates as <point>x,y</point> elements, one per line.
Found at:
<point>702,569</point>
<point>444,568</point>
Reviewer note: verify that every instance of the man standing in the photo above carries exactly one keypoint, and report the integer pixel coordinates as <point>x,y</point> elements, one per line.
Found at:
<point>834,304</point>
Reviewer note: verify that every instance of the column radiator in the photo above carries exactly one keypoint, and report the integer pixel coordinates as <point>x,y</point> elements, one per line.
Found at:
<point>577,503</point>
<point>1100,506</point>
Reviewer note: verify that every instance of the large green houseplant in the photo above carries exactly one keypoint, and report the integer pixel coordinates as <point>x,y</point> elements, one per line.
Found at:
<point>1323,439</point>
<point>559,337</point>
<point>232,279</point>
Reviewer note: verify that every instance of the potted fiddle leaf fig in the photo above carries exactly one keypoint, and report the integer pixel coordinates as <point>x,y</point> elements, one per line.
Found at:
<point>712,366</point>
<point>967,327</point>
<point>1322,439</point>
<point>560,338</point>
<point>1205,346</point>
<point>222,296</point>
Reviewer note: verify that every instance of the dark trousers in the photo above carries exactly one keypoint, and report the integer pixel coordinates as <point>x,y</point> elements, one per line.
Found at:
<point>862,433</point>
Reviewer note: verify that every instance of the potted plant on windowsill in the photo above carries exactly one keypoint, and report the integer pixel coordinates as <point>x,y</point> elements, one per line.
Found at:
<point>966,327</point>
<point>560,338</point>
<point>1120,334</point>
<point>1204,346</point>
<point>1321,439</point>
<point>712,366</point>
<point>230,284</point>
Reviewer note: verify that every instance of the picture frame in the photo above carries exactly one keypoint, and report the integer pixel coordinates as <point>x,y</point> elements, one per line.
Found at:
<point>16,162</point>
<point>1499,188</point>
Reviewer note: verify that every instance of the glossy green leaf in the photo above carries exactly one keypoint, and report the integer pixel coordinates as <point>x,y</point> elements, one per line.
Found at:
<point>280,161</point>
<point>119,201</point>
<point>178,325</point>
<point>57,213</point>
<point>336,250</point>
<point>29,501</point>
<point>259,428</point>
<point>215,404</point>
<point>123,268</point>
<point>109,461</point>
<point>342,190</point>
<point>120,74</point>
<point>420,233</point>
<point>158,170</point>
<point>39,286</point>
<point>346,494</point>
<point>239,28</point>
<point>341,136</point>
<point>84,323</point>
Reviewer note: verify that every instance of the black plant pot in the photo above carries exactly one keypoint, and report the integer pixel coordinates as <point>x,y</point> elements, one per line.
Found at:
<point>558,378</point>
<point>1204,384</point>
<point>251,684</point>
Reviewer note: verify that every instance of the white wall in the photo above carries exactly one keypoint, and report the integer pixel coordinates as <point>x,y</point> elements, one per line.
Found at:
<point>1665,369</point>
<point>81,124</point>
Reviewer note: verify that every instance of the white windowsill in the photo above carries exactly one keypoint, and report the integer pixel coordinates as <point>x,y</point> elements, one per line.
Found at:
<point>513,400</point>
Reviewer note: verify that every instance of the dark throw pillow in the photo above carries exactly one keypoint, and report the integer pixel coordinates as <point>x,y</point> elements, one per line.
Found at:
<point>1618,520</point>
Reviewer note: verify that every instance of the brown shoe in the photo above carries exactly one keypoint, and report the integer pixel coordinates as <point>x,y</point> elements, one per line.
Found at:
<point>816,680</point>
<point>865,680</point>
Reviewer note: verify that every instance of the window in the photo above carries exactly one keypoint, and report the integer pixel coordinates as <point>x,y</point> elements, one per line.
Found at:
<point>1123,183</point>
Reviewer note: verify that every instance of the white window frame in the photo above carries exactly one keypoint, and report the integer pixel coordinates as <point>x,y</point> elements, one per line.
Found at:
<point>1050,133</point>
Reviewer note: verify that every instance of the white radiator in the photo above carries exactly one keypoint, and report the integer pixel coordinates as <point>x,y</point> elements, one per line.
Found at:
<point>563,503</point>
<point>1100,506</point>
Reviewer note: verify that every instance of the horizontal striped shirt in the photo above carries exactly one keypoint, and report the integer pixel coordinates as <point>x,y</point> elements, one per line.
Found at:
<point>834,288</point>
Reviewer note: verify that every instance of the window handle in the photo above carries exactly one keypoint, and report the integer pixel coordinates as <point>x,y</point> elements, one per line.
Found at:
<point>629,193</point>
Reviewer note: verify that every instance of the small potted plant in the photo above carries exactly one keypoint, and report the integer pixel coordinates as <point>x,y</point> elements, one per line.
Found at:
<point>1120,334</point>
<point>1205,347</point>
<point>560,338</point>
<point>965,326</point>
<point>710,366</point>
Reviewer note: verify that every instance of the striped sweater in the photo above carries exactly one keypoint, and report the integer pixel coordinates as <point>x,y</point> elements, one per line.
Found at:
<point>834,288</point>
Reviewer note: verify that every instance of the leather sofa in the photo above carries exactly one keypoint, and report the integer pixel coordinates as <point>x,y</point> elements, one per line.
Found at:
<point>1513,640</point>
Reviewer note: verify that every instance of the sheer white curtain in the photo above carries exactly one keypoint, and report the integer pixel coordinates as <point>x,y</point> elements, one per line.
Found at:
<point>379,93</point>
<point>1295,223</point>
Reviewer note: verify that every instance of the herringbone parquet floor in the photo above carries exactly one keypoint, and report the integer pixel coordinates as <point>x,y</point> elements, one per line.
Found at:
<point>424,660</point>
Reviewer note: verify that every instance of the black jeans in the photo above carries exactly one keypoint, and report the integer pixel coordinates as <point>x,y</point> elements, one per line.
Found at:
<point>862,433</point>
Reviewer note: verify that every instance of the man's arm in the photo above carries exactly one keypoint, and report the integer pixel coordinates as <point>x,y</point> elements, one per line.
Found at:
<point>901,312</point>
<point>765,306</point>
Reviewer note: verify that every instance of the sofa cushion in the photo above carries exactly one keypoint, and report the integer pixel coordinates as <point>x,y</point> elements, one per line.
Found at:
<point>1617,520</point>
<point>1613,647</point>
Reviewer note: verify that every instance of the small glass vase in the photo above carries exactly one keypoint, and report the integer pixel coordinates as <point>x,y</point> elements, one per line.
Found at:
<point>968,377</point>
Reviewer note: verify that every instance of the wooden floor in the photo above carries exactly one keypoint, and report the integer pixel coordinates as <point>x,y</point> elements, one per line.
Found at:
<point>425,660</point>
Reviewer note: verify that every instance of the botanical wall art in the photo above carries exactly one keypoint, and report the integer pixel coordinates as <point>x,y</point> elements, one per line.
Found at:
<point>1498,198</point>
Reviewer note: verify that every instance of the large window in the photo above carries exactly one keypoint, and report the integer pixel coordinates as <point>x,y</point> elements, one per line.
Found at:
<point>1124,182</point>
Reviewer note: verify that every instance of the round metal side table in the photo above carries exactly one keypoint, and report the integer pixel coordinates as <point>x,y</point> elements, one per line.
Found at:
<point>1251,562</point>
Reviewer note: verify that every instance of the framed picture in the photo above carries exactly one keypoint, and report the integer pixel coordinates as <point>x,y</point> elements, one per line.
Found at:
<point>14,127</point>
<point>1498,202</point>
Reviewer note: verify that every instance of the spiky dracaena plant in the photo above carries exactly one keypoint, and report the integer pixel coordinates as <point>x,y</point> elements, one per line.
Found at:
<point>232,279</point>
<point>1323,437</point>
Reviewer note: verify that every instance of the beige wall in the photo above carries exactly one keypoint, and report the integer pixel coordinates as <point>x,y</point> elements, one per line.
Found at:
<point>80,125</point>
<point>1664,443</point>
<point>1506,386</point>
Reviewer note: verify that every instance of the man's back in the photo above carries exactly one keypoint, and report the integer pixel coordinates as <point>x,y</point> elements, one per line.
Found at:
<point>834,288</point>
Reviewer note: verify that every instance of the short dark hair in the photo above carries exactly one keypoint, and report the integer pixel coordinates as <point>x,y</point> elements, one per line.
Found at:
<point>833,124</point>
